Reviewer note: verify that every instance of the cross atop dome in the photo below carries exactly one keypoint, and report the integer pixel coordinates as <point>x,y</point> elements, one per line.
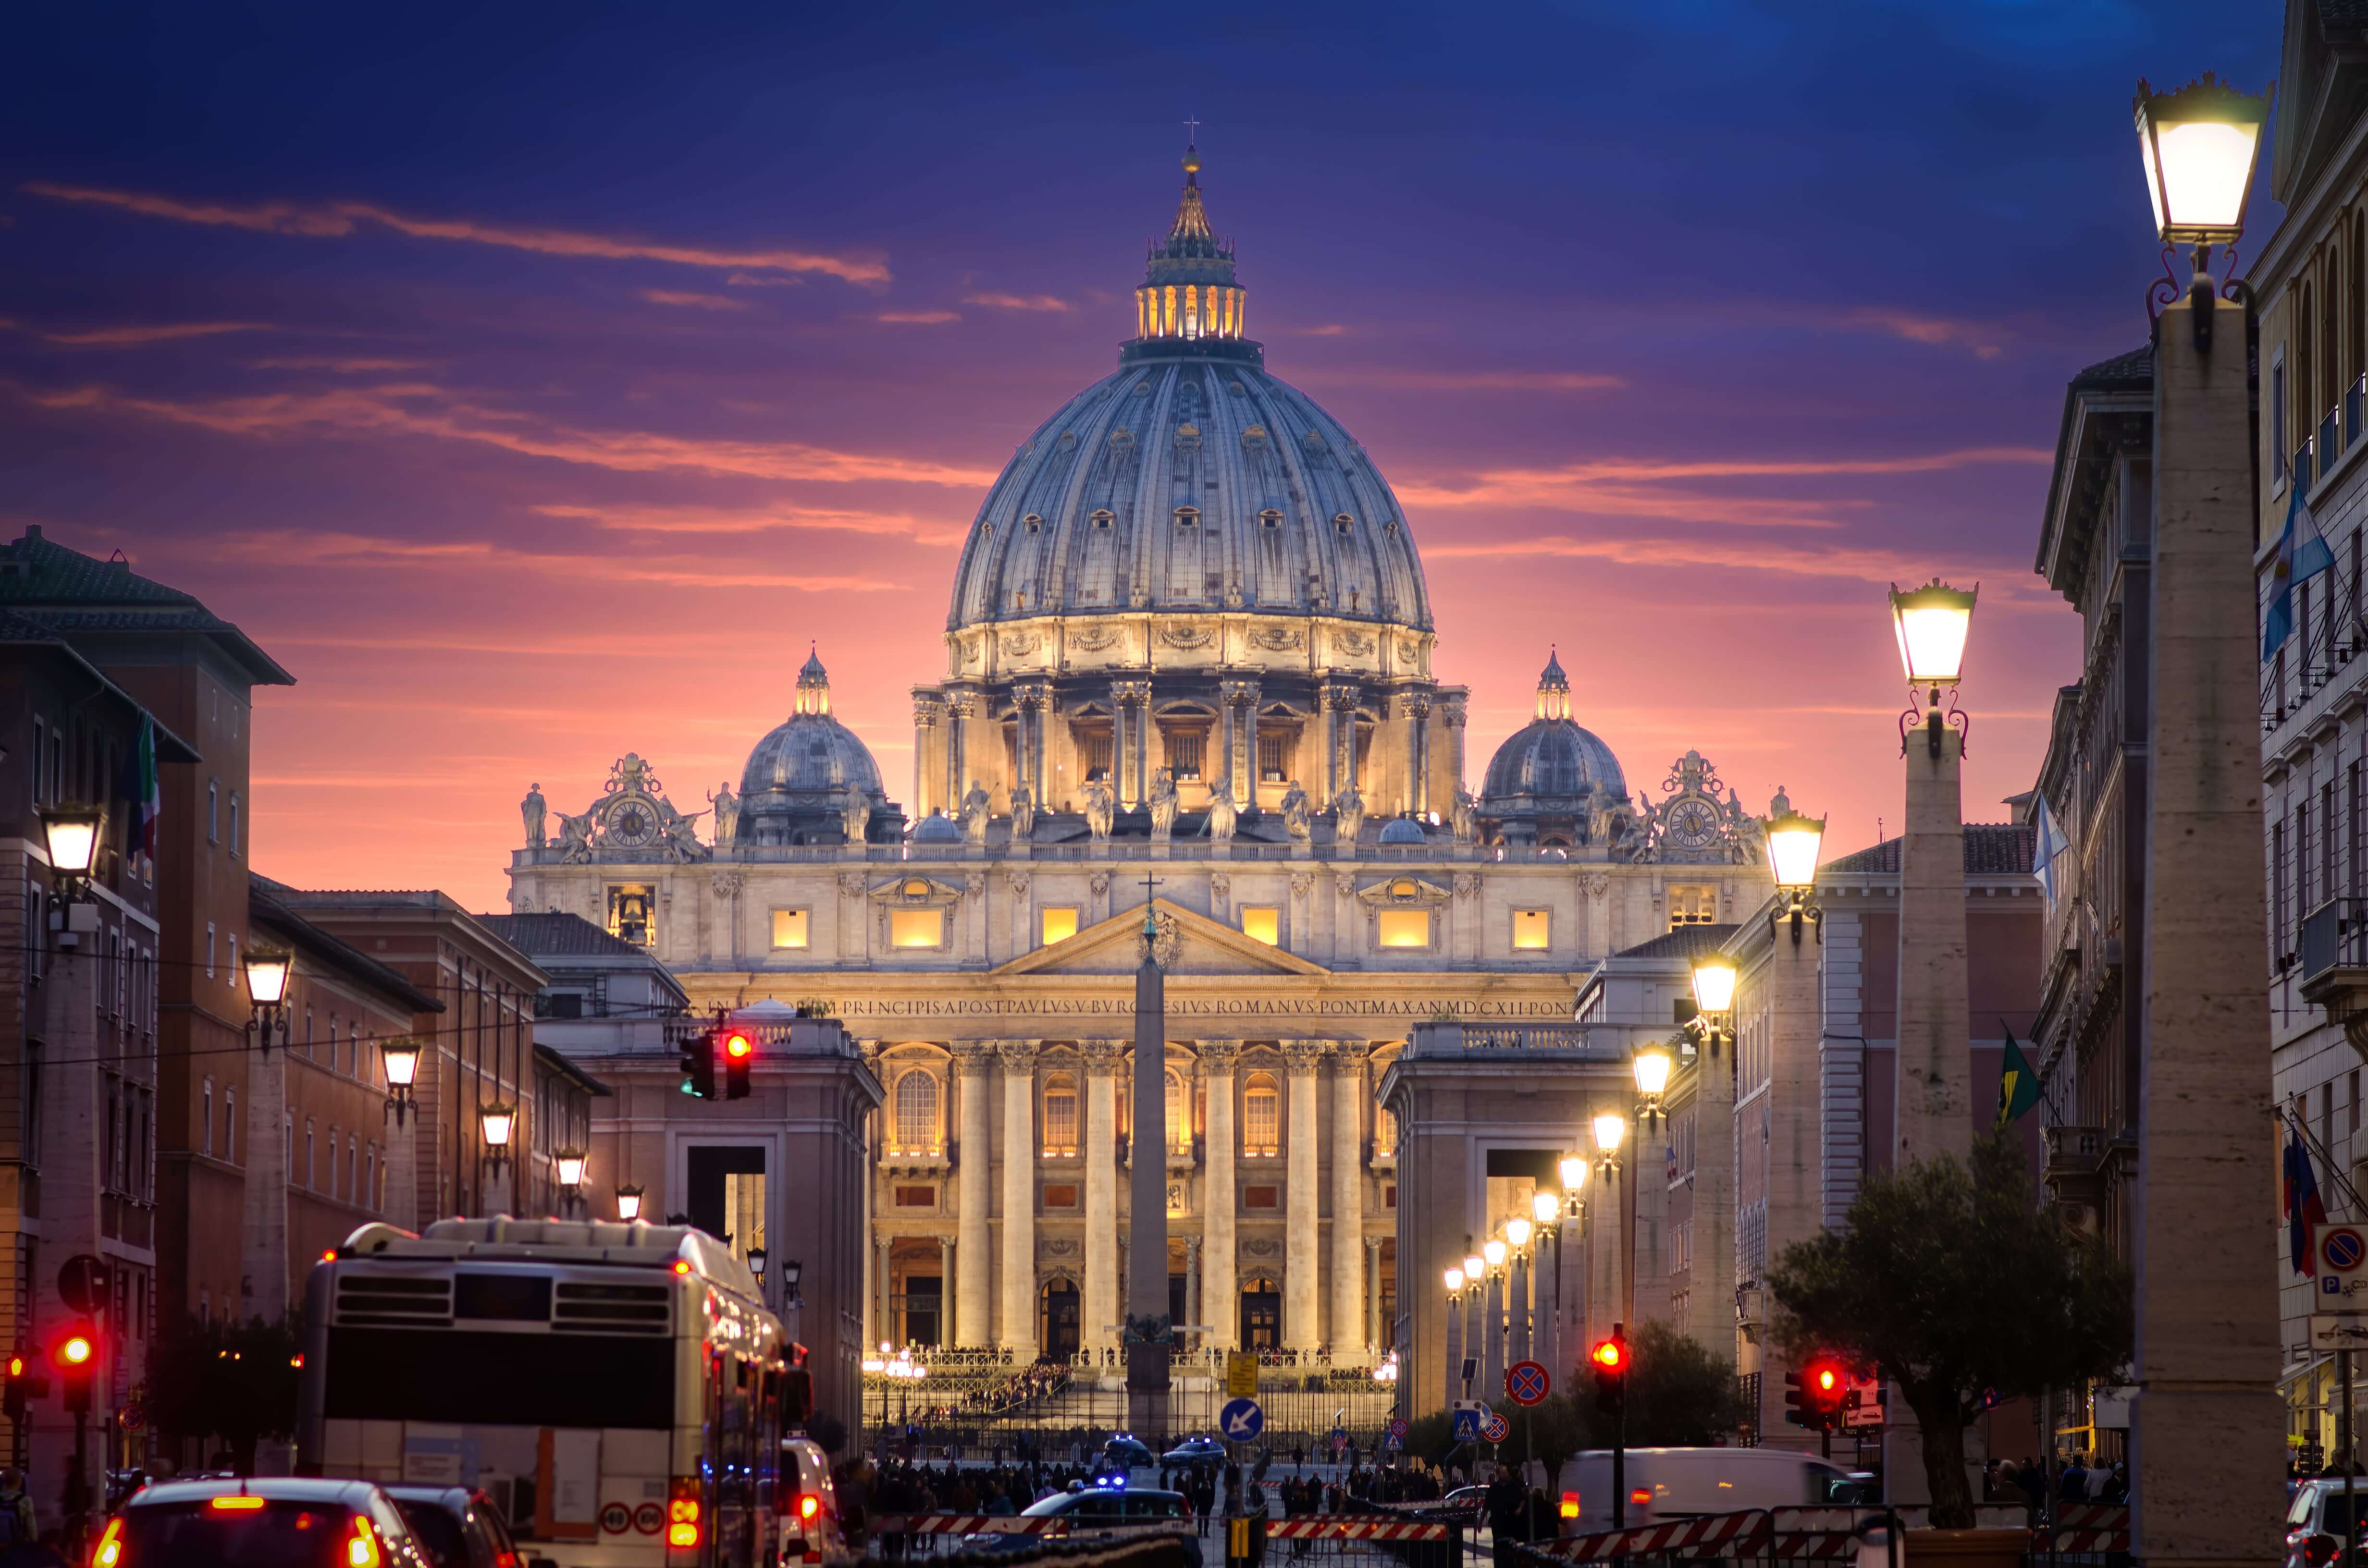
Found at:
<point>1188,290</point>
<point>814,685</point>
<point>1554,687</point>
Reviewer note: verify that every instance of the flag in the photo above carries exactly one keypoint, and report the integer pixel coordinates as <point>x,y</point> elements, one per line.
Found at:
<point>2018,1084</point>
<point>2304,1210</point>
<point>2302,555</point>
<point>2050,845</point>
<point>138,787</point>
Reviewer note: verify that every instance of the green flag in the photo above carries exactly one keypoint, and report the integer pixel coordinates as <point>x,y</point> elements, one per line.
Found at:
<point>2018,1084</point>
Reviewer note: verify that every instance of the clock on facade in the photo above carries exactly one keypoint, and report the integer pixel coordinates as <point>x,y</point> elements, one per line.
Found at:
<point>1692,823</point>
<point>633,824</point>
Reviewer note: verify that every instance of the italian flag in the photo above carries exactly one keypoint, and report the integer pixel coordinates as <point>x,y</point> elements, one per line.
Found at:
<point>140,789</point>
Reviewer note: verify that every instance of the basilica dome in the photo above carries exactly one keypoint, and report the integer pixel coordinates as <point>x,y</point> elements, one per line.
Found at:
<point>794,789</point>
<point>1190,480</point>
<point>1550,761</point>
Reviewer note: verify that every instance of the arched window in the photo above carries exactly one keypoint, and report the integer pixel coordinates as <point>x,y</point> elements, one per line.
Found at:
<point>1262,1118</point>
<point>1185,516</point>
<point>1060,1116</point>
<point>1102,520</point>
<point>917,1114</point>
<point>1179,1111</point>
<point>1269,518</point>
<point>1385,1130</point>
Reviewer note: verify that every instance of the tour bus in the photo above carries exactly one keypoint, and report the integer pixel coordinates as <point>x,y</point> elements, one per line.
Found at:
<point>617,1388</point>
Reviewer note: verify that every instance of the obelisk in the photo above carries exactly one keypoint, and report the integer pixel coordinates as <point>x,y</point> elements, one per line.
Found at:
<point>1149,1331</point>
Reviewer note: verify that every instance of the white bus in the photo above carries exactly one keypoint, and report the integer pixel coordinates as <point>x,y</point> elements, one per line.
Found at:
<point>616,1389</point>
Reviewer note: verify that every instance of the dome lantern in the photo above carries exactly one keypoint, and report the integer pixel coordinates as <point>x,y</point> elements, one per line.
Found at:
<point>814,685</point>
<point>1189,291</point>
<point>1554,688</point>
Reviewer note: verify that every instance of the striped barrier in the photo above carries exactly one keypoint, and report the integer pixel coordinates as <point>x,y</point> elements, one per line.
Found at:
<point>1713,1535</point>
<point>1011,1524</point>
<point>2085,1528</point>
<point>1350,1526</point>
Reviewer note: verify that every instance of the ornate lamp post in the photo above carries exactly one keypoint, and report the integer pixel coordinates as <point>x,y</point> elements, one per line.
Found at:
<point>399,1056</point>
<point>495,1119</point>
<point>269,969</point>
<point>1793,844</point>
<point>629,1203</point>
<point>568,1164</point>
<point>1453,1279</point>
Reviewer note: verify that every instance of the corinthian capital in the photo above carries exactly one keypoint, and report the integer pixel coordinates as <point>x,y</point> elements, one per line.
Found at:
<point>1304,1058</point>
<point>1218,1056</point>
<point>1103,1057</point>
<point>971,1057</point>
<point>1019,1055</point>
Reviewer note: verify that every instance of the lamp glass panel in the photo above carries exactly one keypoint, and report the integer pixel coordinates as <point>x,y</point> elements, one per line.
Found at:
<point>2206,165</point>
<point>73,840</point>
<point>1494,1250</point>
<point>1652,1069</point>
<point>498,1119</point>
<point>1473,1267</point>
<point>402,1059</point>
<point>571,1169</point>
<point>1715,986</point>
<point>1547,1207</point>
<point>1793,844</point>
<point>629,1206</point>
<point>1574,1172</point>
<point>1454,1279</point>
<point>1931,624</point>
<point>1517,1231</point>
<point>1610,1128</point>
<point>267,975</point>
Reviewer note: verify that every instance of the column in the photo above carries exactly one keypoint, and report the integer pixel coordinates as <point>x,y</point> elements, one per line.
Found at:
<point>1121,774</point>
<point>1454,1350</point>
<point>1301,1331</point>
<point>1795,1164</point>
<point>1934,1088</point>
<point>1103,1060</point>
<point>1492,1339</point>
<point>1250,746</point>
<point>1349,1098</point>
<point>1230,767</point>
<point>1417,710</point>
<point>2204,1427</point>
<point>1220,1199</point>
<point>1019,1197</point>
<point>1517,1307</point>
<point>945,1288</point>
<point>882,1297</point>
<point>1547,1292</point>
<point>262,1285</point>
<point>974,1311</point>
<point>960,706</point>
<point>1192,1280</point>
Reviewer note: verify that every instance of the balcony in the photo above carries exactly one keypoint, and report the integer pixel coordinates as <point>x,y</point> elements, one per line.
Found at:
<point>2355,397</point>
<point>2330,443</point>
<point>2302,467</point>
<point>1450,1038</point>
<point>2075,1170</point>
<point>2334,965</point>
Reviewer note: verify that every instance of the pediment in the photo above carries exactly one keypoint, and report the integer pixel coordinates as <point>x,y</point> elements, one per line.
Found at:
<point>1203,947</point>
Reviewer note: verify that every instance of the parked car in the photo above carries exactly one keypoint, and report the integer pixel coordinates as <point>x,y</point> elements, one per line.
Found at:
<point>810,1530</point>
<point>457,1527</point>
<point>259,1522</point>
<point>1665,1483</point>
<point>1088,1509</point>
<point>2317,1523</point>
<point>1195,1450</point>
<point>1126,1450</point>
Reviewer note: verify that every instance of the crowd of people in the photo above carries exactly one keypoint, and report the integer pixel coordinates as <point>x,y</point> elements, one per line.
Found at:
<point>2085,1478</point>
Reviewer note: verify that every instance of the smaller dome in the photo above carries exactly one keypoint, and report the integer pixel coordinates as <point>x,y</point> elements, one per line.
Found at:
<point>936,828</point>
<point>1402,830</point>
<point>794,789</point>
<point>1551,758</point>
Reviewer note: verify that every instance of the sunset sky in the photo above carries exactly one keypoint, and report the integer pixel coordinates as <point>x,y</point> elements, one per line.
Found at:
<point>536,383</point>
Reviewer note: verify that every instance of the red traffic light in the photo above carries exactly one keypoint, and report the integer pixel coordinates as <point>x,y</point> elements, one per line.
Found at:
<point>1609,1354</point>
<point>76,1350</point>
<point>738,1046</point>
<point>1827,1379</point>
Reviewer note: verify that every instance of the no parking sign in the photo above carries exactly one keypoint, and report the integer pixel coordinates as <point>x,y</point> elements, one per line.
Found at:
<point>2342,1249</point>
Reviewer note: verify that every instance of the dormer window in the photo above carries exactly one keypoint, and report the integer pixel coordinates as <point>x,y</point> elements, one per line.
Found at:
<point>1032,523</point>
<point>1102,520</point>
<point>1269,518</point>
<point>1185,516</point>
<point>1344,522</point>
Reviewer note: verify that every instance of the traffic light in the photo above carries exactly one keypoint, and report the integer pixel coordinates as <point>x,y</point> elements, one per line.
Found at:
<point>21,1386</point>
<point>698,1067</point>
<point>1797,1407</point>
<point>76,1355</point>
<point>1815,1396</point>
<point>739,1051</point>
<point>1610,1360</point>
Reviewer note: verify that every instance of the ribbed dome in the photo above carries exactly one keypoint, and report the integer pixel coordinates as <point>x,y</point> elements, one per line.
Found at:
<point>1550,759</point>
<point>797,776</point>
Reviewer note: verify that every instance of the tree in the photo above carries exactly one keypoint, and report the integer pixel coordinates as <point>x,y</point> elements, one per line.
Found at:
<point>1681,1395</point>
<point>1952,1283</point>
<point>233,1381</point>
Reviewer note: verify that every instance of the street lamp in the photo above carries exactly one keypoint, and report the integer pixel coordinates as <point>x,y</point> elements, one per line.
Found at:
<point>2199,145</point>
<point>1713,978</point>
<point>1476,1269</point>
<point>1517,1233</point>
<point>629,1203</point>
<point>1651,1067</point>
<point>269,969</point>
<point>1572,1170</point>
<point>1455,1281</point>
<point>757,1262</point>
<point>1611,1127</point>
<point>1932,623</point>
<point>1494,1249</point>
<point>72,834</point>
<point>498,1117</point>
<point>400,1055</point>
<point>1793,844</point>
<point>570,1164</point>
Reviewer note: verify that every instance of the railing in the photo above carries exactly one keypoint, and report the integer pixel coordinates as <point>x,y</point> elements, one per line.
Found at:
<point>2302,467</point>
<point>1445,1038</point>
<point>2334,936</point>
<point>2329,441</point>
<point>2355,396</point>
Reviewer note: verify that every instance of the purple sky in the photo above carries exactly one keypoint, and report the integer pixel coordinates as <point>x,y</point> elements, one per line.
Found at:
<point>536,387</point>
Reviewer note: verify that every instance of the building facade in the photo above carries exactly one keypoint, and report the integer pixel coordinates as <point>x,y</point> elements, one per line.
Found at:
<point>1188,663</point>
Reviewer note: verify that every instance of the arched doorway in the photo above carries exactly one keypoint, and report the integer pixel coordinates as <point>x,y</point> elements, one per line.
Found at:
<point>1261,1315</point>
<point>1060,1338</point>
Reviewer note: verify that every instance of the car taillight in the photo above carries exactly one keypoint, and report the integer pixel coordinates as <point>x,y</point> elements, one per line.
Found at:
<point>2318,1549</point>
<point>110,1553</point>
<point>682,1511</point>
<point>240,1503</point>
<point>361,1550</point>
<point>1640,1495</point>
<point>808,1505</point>
<point>1570,1505</point>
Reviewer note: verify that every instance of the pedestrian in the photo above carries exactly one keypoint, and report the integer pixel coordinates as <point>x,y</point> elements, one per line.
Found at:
<point>17,1525</point>
<point>2073,1486</point>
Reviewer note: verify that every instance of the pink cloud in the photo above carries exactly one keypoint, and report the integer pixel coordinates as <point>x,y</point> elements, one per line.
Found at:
<point>1016,301</point>
<point>1938,331</point>
<point>340,218</point>
<point>754,520</point>
<point>1469,381</point>
<point>286,547</point>
<point>919,318</point>
<point>133,337</point>
<point>696,301</point>
<point>1573,483</point>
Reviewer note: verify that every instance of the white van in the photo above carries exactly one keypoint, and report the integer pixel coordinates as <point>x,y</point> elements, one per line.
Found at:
<point>1675,1484</point>
<point>809,1512</point>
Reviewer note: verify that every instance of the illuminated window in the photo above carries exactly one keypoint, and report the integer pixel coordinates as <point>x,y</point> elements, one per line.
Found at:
<point>789,927</point>
<point>917,929</point>
<point>1530,928</point>
<point>1692,906</point>
<point>1265,925</point>
<point>917,1114</point>
<point>1179,1111</point>
<point>1032,523</point>
<point>1403,927</point>
<point>1385,1130</point>
<point>1184,748</point>
<point>1059,924</point>
<point>1274,758</point>
<point>1262,1118</point>
<point>631,914</point>
<point>1060,1116</point>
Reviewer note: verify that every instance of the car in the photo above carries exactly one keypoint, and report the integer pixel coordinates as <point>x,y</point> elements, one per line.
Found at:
<point>260,1522</point>
<point>457,1527</point>
<point>1195,1450</point>
<point>1673,1482</point>
<point>1125,1449</point>
<point>1086,1510</point>
<point>2318,1521</point>
<point>810,1530</point>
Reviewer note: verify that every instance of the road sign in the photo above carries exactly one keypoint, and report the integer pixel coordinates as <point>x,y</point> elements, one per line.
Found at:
<point>82,1281</point>
<point>1863,1403</point>
<point>2342,1250</point>
<point>1496,1428</point>
<point>1526,1383</point>
<point>1339,1441</point>
<point>1241,1374</point>
<point>1467,1426</point>
<point>1241,1421</point>
<point>1397,1432</point>
<point>2338,1330</point>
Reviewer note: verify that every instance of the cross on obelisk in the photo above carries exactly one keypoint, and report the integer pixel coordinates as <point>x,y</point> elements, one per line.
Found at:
<point>1149,1338</point>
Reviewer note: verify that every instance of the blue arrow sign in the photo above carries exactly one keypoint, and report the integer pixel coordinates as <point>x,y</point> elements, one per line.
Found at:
<point>1241,1421</point>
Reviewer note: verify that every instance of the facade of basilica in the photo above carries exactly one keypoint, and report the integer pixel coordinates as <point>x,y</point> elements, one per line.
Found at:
<point>1189,660</point>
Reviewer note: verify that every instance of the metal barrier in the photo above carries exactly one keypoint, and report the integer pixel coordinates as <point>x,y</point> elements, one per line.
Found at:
<point>1140,1549</point>
<point>1818,1535</point>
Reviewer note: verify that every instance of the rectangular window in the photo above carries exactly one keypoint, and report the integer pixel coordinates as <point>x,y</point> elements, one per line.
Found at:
<point>1390,1196</point>
<point>1274,759</point>
<point>2302,855</point>
<point>1403,927</point>
<point>1057,925</point>
<point>213,812</point>
<point>233,822</point>
<point>1692,906</point>
<point>230,970</point>
<point>206,1109</point>
<point>1184,753</point>
<point>2277,894</point>
<point>1057,1195</point>
<point>632,915</point>
<point>1261,1197</point>
<point>916,1197</point>
<point>230,1126</point>
<point>1529,930</point>
<point>1264,925</point>
<point>209,949</point>
<point>789,927</point>
<point>2279,445</point>
<point>1097,755</point>
<point>916,927</point>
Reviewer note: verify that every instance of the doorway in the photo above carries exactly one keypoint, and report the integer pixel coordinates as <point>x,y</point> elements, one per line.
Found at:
<point>1060,1319</point>
<point>1261,1315</point>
